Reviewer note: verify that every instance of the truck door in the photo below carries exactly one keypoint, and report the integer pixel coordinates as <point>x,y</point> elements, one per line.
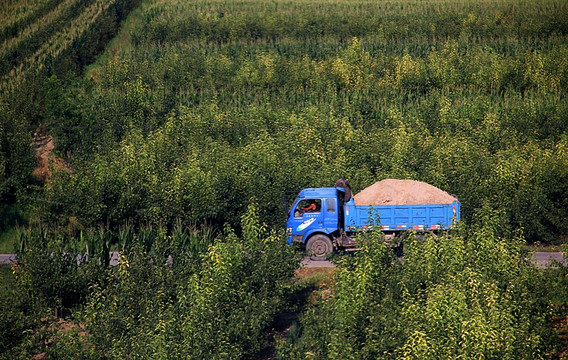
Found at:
<point>308,216</point>
<point>331,215</point>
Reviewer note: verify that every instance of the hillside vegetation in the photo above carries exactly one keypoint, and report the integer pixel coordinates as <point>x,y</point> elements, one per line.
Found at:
<point>217,102</point>
<point>174,142</point>
<point>41,39</point>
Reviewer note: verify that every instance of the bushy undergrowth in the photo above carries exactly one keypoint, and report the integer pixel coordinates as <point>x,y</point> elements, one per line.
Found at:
<point>162,301</point>
<point>459,295</point>
<point>466,294</point>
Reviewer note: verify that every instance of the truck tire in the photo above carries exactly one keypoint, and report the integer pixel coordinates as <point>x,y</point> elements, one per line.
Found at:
<point>318,247</point>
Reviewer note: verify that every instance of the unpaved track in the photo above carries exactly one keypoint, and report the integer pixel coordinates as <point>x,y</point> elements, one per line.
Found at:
<point>543,259</point>
<point>7,258</point>
<point>307,262</point>
<point>539,259</point>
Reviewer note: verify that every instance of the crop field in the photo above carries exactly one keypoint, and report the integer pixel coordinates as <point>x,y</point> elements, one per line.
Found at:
<point>251,99</point>
<point>41,34</point>
<point>170,129</point>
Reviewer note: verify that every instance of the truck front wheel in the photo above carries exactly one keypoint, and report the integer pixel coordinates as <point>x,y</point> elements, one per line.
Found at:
<point>318,247</point>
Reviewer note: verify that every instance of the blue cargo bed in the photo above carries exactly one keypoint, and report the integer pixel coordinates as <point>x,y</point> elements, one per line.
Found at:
<point>401,217</point>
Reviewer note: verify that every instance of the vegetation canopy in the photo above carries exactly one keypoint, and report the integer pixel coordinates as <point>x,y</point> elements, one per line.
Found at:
<point>126,124</point>
<point>197,107</point>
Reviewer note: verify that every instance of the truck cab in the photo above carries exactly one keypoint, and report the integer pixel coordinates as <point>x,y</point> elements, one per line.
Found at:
<point>315,220</point>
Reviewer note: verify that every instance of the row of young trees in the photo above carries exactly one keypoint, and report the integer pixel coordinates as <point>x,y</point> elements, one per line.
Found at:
<point>187,293</point>
<point>407,21</point>
<point>468,294</point>
<point>188,126</point>
<point>173,294</point>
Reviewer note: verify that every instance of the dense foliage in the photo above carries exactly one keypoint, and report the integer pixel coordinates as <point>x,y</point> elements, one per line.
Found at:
<point>173,294</point>
<point>196,107</point>
<point>211,103</point>
<point>453,296</point>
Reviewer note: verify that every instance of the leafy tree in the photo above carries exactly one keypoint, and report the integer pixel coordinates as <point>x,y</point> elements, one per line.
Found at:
<point>455,295</point>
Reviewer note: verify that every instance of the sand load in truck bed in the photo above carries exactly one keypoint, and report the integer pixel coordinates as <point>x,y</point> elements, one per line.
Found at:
<point>402,192</point>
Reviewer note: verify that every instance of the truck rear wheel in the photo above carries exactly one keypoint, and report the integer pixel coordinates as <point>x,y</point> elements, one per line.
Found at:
<point>318,247</point>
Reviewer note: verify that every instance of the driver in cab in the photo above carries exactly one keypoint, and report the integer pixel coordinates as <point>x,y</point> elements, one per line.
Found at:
<point>310,208</point>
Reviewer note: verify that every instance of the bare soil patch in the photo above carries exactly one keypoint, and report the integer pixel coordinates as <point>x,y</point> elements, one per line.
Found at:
<point>46,161</point>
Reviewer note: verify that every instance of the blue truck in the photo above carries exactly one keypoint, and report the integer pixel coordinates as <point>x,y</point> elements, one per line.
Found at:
<point>321,220</point>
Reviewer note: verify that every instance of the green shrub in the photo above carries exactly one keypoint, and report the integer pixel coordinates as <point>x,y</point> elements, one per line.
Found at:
<point>470,295</point>
<point>215,304</point>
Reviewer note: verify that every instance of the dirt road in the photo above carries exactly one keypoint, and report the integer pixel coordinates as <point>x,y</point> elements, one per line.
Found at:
<point>539,259</point>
